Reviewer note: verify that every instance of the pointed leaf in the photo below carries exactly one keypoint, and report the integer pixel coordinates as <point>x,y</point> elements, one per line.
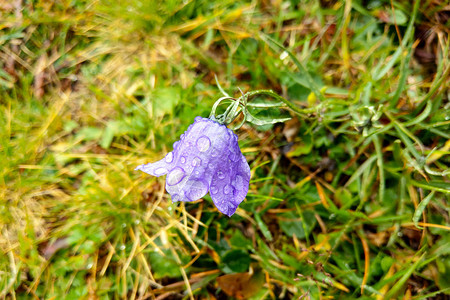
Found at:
<point>260,121</point>
<point>265,104</point>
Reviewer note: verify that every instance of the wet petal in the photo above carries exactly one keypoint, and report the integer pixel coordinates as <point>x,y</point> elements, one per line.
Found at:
<point>206,158</point>
<point>158,168</point>
<point>222,194</point>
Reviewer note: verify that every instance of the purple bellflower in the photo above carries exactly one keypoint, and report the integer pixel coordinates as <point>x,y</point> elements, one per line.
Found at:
<point>206,158</point>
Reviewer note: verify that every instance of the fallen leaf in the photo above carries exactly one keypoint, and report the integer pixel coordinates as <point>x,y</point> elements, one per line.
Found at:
<point>241,285</point>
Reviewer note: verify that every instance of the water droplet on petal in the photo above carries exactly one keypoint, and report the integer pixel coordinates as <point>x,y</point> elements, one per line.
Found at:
<point>169,157</point>
<point>203,143</point>
<point>182,159</point>
<point>196,161</point>
<point>221,175</point>
<point>233,157</point>
<point>211,166</point>
<point>213,190</point>
<point>227,189</point>
<point>175,176</point>
<point>214,152</point>
<point>196,189</point>
<point>197,119</point>
<point>160,171</point>
<point>239,183</point>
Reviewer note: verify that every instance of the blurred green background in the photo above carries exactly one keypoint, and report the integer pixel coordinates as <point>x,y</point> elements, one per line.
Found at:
<point>348,200</point>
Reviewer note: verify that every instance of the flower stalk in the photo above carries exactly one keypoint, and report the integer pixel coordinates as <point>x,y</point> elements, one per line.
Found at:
<point>241,105</point>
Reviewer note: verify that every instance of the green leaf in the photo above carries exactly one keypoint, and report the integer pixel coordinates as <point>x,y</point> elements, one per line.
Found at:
<point>108,135</point>
<point>421,207</point>
<point>89,134</point>
<point>262,226</point>
<point>236,261</point>
<point>384,67</point>
<point>407,273</point>
<point>238,240</point>
<point>292,224</point>
<point>164,266</point>
<point>266,121</point>
<point>265,104</point>
<point>439,186</point>
<point>165,100</point>
<point>310,82</point>
<point>303,147</point>
<point>386,263</point>
<point>345,197</point>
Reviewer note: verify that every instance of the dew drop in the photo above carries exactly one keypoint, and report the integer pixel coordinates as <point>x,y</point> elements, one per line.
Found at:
<point>196,161</point>
<point>221,175</point>
<point>196,189</point>
<point>197,119</point>
<point>227,189</point>
<point>213,190</point>
<point>239,183</point>
<point>214,153</point>
<point>175,176</point>
<point>233,156</point>
<point>169,157</point>
<point>122,247</point>
<point>203,143</point>
<point>211,166</point>
<point>160,171</point>
<point>182,159</point>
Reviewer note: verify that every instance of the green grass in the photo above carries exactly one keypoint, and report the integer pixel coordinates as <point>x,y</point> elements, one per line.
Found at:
<point>348,200</point>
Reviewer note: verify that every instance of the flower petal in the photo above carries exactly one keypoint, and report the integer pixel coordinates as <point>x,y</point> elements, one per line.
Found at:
<point>229,186</point>
<point>206,158</point>
<point>158,168</point>
<point>241,181</point>
<point>222,194</point>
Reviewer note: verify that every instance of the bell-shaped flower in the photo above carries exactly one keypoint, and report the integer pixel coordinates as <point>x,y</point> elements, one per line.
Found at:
<point>206,158</point>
